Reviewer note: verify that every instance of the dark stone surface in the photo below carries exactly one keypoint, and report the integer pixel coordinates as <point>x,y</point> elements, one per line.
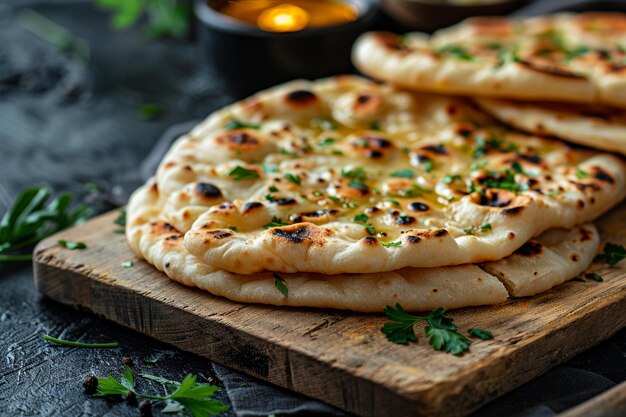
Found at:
<point>66,124</point>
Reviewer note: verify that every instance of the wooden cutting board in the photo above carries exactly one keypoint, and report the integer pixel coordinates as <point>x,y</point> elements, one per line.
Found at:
<point>339,357</point>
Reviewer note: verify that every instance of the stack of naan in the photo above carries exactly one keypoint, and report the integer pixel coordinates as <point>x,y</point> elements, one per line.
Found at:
<point>350,194</point>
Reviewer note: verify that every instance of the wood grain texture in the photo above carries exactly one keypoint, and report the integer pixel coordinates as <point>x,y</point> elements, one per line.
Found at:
<point>340,357</point>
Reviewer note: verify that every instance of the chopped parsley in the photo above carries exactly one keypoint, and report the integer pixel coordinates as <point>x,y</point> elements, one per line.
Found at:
<point>272,189</point>
<point>455,51</point>
<point>326,142</point>
<point>276,222</point>
<point>357,173</point>
<point>350,205</point>
<point>391,244</point>
<point>293,178</point>
<point>481,334</point>
<point>449,179</point>
<point>505,181</point>
<point>337,152</point>
<point>394,202</point>
<point>594,277</point>
<point>370,229</point>
<point>269,169</point>
<point>270,198</point>
<point>279,283</point>
<point>428,165</point>
<point>68,244</point>
<point>358,185</point>
<point>581,173</point>
<point>288,153</point>
<point>613,253</point>
<point>471,230</point>
<point>236,124</point>
<point>361,218</point>
<point>375,126</point>
<point>441,331</point>
<point>403,173</point>
<point>240,173</point>
<point>517,167</point>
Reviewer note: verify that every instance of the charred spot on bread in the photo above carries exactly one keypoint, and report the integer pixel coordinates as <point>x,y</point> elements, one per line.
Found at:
<point>301,97</point>
<point>574,257</point>
<point>512,211</point>
<point>297,233</point>
<point>533,159</point>
<point>417,206</point>
<point>404,220</point>
<point>208,190</point>
<point>412,239</point>
<point>239,140</point>
<point>602,175</point>
<point>530,248</point>
<point>251,205</point>
<point>550,69</point>
<point>285,201</point>
<point>436,149</point>
<point>495,198</point>
<point>369,241</point>
<point>218,234</point>
<point>584,234</point>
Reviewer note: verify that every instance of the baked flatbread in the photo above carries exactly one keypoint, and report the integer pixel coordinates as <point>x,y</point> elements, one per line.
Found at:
<point>561,57</point>
<point>346,176</point>
<point>550,262</point>
<point>595,126</point>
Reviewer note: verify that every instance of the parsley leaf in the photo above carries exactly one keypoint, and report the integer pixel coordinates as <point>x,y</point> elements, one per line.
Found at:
<point>400,330</point>
<point>279,282</point>
<point>427,164</point>
<point>505,181</point>
<point>443,335</point>
<point>449,179</point>
<point>594,277</point>
<point>31,219</point>
<point>455,51</point>
<point>581,173</point>
<point>189,394</point>
<point>613,253</point>
<point>391,244</point>
<point>441,331</point>
<point>240,173</point>
<point>370,229</point>
<point>357,173</point>
<point>326,142</point>
<point>236,124</point>
<point>403,173</point>
<point>358,185</point>
<point>276,222</point>
<point>361,218</point>
<point>293,178</point>
<point>68,244</point>
<point>481,334</point>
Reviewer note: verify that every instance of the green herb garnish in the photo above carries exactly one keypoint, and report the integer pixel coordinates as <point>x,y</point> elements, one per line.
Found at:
<point>71,245</point>
<point>240,173</point>
<point>236,124</point>
<point>403,173</point>
<point>481,334</point>
<point>370,229</point>
<point>293,178</point>
<point>441,331</point>
<point>357,173</point>
<point>358,185</point>
<point>391,244</point>
<point>456,51</point>
<point>31,219</point>
<point>276,222</point>
<point>581,173</point>
<point>449,179</point>
<point>613,253</point>
<point>188,394</point>
<point>594,277</point>
<point>279,283</point>
<point>151,111</point>
<point>428,165</point>
<point>361,218</point>
<point>79,344</point>
<point>326,142</point>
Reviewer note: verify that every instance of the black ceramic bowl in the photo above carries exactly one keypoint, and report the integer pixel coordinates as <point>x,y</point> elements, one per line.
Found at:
<point>430,15</point>
<point>247,58</point>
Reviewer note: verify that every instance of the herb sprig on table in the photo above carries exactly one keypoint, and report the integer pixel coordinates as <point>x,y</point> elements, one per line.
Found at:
<point>441,331</point>
<point>32,218</point>
<point>188,394</point>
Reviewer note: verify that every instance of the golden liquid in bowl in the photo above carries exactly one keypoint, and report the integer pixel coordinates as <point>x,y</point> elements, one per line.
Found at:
<point>290,15</point>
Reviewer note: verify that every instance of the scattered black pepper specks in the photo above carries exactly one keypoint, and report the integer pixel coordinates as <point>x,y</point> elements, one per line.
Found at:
<point>128,361</point>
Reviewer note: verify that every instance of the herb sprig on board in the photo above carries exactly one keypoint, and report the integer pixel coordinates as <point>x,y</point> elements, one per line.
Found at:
<point>441,331</point>
<point>188,394</point>
<point>32,218</point>
<point>612,254</point>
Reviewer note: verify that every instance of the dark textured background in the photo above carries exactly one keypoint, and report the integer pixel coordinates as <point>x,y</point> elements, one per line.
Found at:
<point>66,124</point>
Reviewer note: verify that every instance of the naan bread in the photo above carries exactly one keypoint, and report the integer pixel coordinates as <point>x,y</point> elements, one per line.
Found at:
<point>551,261</point>
<point>598,127</point>
<point>562,57</point>
<point>346,176</point>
